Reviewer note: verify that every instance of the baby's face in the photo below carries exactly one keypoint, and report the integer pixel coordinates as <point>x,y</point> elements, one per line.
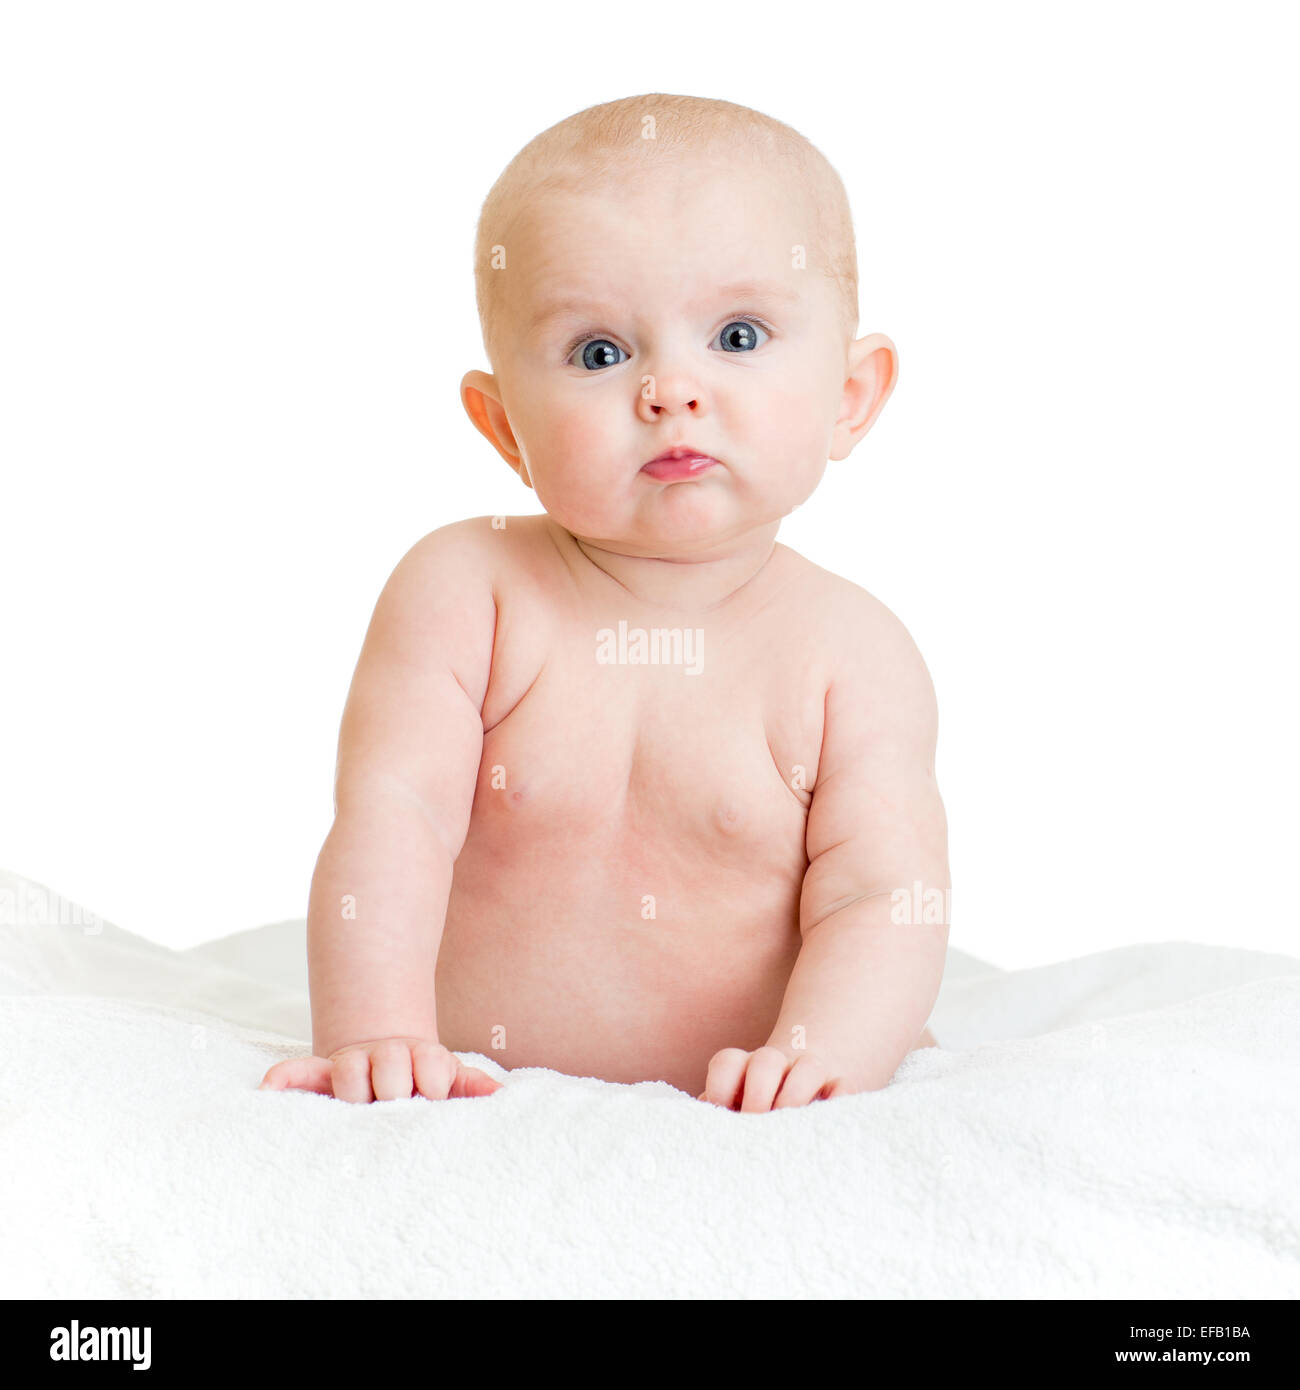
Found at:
<point>671,314</point>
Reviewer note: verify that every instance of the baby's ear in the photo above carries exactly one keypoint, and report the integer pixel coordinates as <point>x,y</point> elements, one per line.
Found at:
<point>478,394</point>
<point>873,370</point>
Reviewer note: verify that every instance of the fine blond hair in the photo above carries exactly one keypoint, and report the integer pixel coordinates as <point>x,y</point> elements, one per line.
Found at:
<point>603,144</point>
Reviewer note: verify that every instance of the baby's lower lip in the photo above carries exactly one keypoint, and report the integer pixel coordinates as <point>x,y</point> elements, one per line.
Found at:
<point>674,470</point>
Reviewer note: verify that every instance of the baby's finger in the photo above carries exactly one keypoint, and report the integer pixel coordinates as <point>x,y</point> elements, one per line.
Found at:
<point>470,1081</point>
<point>299,1074</point>
<point>802,1083</point>
<point>352,1076</point>
<point>725,1076</point>
<point>435,1070</point>
<point>763,1077</point>
<point>390,1071</point>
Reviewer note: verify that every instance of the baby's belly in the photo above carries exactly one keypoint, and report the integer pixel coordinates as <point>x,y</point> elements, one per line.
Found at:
<point>608,957</point>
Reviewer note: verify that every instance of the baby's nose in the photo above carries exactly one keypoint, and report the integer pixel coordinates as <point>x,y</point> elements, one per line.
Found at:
<point>665,394</point>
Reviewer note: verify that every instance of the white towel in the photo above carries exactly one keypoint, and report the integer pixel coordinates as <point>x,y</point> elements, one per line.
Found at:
<point>1122,1125</point>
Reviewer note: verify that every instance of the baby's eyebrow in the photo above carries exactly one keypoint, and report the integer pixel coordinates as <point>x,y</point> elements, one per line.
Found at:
<point>760,290</point>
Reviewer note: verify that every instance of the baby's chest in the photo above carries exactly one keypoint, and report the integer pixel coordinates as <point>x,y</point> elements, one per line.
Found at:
<point>654,763</point>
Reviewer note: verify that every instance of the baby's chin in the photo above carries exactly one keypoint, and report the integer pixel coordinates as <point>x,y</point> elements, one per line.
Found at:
<point>674,532</point>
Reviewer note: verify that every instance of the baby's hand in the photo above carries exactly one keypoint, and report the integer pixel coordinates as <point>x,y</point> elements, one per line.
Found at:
<point>384,1069</point>
<point>768,1079</point>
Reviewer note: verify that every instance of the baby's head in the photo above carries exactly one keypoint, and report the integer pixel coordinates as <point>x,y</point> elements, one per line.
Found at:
<point>667,271</point>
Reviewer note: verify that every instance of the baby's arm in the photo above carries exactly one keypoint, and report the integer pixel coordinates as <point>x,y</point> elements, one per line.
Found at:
<point>863,984</point>
<point>408,758</point>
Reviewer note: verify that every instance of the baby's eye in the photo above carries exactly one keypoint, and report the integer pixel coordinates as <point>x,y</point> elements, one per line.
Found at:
<point>741,335</point>
<point>598,353</point>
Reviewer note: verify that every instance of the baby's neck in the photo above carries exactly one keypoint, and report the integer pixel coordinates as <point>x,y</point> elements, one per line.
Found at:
<point>682,583</point>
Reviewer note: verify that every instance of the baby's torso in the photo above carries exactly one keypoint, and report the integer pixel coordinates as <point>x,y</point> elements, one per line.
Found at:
<point>627,899</point>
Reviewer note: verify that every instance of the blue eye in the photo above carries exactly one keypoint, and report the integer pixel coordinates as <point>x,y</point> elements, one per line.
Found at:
<point>598,353</point>
<point>741,335</point>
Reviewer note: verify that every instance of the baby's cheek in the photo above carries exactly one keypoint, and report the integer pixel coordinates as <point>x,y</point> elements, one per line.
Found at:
<point>794,437</point>
<point>571,432</point>
<point>575,459</point>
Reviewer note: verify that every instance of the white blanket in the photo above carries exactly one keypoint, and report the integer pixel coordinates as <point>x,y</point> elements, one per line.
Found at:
<point>1125,1124</point>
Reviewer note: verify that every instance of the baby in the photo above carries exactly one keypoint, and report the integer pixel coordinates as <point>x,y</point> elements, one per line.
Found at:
<point>628,789</point>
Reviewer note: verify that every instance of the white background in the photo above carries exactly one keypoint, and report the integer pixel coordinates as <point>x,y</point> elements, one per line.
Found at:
<point>236,304</point>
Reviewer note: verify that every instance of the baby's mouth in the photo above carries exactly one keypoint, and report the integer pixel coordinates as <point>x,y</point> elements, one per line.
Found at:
<point>676,464</point>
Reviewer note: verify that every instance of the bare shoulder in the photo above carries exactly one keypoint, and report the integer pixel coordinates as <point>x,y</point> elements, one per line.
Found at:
<point>437,607</point>
<point>441,602</point>
<point>446,571</point>
<point>468,559</point>
<point>854,624</point>
<point>874,667</point>
<point>476,548</point>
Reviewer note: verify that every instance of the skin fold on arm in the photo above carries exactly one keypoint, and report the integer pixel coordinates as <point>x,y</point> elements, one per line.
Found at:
<point>871,959</point>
